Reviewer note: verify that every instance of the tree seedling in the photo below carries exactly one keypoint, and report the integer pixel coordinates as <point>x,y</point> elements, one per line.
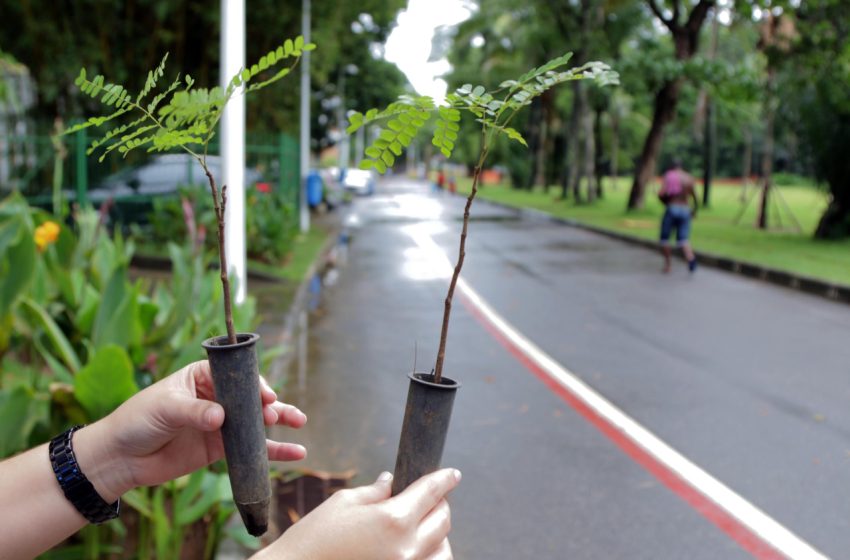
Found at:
<point>492,110</point>
<point>182,117</point>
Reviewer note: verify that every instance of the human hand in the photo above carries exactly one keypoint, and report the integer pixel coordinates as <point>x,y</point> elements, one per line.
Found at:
<point>167,430</point>
<point>365,523</point>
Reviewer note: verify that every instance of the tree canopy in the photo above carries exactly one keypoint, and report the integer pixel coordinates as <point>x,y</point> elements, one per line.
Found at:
<point>125,38</point>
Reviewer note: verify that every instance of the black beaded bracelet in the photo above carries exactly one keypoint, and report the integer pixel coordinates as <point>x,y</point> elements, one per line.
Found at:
<point>74,483</point>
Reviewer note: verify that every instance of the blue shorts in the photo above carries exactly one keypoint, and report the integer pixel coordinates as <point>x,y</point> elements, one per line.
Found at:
<point>678,217</point>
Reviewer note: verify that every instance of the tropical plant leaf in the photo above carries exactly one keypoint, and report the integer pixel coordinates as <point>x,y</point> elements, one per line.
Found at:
<point>21,411</point>
<point>117,320</point>
<point>43,320</point>
<point>105,382</point>
<point>17,263</point>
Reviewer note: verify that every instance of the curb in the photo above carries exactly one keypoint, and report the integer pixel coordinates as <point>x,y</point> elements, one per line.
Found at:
<point>813,286</point>
<point>303,287</point>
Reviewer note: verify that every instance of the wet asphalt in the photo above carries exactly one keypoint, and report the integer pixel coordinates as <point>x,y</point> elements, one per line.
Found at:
<point>747,380</point>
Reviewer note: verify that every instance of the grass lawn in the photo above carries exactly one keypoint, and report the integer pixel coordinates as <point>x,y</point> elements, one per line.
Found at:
<point>305,250</point>
<point>714,230</point>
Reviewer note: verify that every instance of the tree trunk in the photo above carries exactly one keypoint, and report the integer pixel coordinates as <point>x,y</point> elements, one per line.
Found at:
<point>535,123</point>
<point>686,41</point>
<point>598,172</point>
<point>566,168</point>
<point>767,155</point>
<point>708,151</point>
<point>835,222</point>
<point>710,132</point>
<point>748,162</point>
<point>540,156</point>
<point>615,146</point>
<point>589,151</point>
<point>576,120</point>
<point>665,110</point>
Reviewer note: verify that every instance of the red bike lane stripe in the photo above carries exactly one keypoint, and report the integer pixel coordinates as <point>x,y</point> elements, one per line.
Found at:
<point>740,533</point>
<point>751,528</point>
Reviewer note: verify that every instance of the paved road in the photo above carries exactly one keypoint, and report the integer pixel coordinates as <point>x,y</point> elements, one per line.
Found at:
<point>747,380</point>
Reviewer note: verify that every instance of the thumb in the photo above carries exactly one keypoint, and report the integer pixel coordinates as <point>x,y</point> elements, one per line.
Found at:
<point>200,414</point>
<point>378,491</point>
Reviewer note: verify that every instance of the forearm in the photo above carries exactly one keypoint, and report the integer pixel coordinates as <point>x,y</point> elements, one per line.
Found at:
<point>36,515</point>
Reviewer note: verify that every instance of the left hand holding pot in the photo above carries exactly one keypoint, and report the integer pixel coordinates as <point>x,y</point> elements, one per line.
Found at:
<point>168,430</point>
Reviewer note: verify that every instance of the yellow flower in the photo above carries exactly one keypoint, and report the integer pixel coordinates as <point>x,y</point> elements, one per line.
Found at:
<point>45,234</point>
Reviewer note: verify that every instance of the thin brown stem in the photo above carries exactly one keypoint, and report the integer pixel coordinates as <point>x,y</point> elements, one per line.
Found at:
<point>222,257</point>
<point>444,333</point>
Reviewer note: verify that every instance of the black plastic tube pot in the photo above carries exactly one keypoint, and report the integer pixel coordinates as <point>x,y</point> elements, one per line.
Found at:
<point>236,378</point>
<point>423,432</point>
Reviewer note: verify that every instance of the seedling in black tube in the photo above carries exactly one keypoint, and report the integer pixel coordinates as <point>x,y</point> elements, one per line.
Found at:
<point>405,118</point>
<point>178,117</point>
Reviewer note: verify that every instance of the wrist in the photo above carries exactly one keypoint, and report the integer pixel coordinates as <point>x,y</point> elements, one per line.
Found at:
<point>104,469</point>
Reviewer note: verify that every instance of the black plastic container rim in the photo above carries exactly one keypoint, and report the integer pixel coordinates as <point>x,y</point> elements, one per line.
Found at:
<point>452,384</point>
<point>242,340</point>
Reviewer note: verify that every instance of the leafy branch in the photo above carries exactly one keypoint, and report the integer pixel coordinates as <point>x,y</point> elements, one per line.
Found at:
<point>182,117</point>
<point>493,110</point>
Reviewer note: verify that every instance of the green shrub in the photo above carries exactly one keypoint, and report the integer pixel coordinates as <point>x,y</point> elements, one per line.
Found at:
<point>270,222</point>
<point>79,337</point>
<point>792,180</point>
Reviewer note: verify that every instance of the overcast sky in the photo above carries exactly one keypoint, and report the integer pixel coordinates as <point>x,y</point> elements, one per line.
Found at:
<point>409,44</point>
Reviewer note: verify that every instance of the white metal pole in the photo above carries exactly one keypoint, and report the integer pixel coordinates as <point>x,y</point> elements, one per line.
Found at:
<point>304,210</point>
<point>233,142</point>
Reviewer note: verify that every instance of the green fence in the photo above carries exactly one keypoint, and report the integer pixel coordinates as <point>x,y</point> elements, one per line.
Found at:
<point>28,164</point>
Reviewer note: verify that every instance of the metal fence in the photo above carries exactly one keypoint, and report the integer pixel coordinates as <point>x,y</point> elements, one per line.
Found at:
<point>31,164</point>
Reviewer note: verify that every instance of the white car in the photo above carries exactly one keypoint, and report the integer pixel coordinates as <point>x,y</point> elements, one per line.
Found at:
<point>359,181</point>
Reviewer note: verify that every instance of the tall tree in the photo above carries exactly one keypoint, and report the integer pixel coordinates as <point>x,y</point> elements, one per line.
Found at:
<point>684,29</point>
<point>125,38</point>
<point>820,108</point>
<point>777,34</point>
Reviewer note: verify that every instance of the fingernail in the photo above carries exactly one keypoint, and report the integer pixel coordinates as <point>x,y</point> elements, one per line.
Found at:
<point>385,476</point>
<point>210,416</point>
<point>302,416</point>
<point>456,474</point>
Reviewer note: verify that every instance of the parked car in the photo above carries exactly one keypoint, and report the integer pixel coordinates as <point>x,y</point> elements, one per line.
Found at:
<point>132,190</point>
<point>359,181</point>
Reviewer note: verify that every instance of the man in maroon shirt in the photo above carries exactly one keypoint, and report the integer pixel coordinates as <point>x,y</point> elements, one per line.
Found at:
<point>677,188</point>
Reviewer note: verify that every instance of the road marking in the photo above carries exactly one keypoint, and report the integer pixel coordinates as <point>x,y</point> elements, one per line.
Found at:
<point>751,528</point>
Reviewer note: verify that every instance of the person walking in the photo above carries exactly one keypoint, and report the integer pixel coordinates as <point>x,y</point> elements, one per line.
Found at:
<point>677,190</point>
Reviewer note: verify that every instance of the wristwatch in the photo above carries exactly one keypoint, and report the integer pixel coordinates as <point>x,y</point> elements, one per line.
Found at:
<point>76,487</point>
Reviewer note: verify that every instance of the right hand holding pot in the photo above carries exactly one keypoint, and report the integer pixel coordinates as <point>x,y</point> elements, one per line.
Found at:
<point>366,523</point>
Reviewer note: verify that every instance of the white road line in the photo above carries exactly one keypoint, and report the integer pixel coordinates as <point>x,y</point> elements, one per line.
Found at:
<point>769,530</point>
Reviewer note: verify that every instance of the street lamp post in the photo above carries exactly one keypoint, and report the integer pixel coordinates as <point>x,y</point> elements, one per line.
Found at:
<point>304,211</point>
<point>233,143</point>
